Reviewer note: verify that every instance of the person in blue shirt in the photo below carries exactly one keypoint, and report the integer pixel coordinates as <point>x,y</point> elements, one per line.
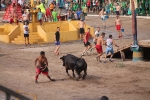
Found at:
<point>40,17</point>
<point>107,7</point>
<point>78,14</point>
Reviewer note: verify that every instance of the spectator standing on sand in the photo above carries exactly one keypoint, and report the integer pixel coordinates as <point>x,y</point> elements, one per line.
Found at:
<point>118,9</point>
<point>57,41</point>
<point>124,7</point>
<point>81,25</point>
<point>26,33</point>
<point>42,66</point>
<point>101,13</point>
<point>88,5</point>
<point>99,43</point>
<point>147,7</point>
<point>118,25</point>
<point>109,49</point>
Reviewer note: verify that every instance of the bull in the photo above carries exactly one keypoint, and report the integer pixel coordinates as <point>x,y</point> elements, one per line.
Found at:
<point>72,62</point>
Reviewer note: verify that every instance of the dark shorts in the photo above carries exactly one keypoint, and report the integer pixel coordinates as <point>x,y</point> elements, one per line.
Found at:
<point>85,14</point>
<point>87,44</point>
<point>40,20</point>
<point>27,21</point>
<point>26,35</point>
<point>117,13</point>
<point>57,43</point>
<point>147,9</point>
<point>88,7</point>
<point>82,31</point>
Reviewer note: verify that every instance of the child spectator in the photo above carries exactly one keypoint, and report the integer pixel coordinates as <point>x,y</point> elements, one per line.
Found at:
<point>54,14</point>
<point>40,17</point>
<point>26,32</point>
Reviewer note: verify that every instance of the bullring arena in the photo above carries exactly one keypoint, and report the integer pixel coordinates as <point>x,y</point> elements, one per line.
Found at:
<point>118,80</point>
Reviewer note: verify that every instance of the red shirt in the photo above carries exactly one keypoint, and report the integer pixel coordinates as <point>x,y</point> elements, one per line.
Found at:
<point>88,3</point>
<point>87,37</point>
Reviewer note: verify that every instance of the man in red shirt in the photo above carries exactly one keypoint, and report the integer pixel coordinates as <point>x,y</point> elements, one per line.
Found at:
<point>88,5</point>
<point>86,42</point>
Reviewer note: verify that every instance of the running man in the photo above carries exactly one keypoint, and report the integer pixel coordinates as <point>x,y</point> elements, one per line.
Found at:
<point>109,43</point>
<point>86,42</point>
<point>26,32</point>
<point>118,8</point>
<point>97,34</point>
<point>57,42</point>
<point>101,13</point>
<point>118,24</point>
<point>100,42</point>
<point>42,66</point>
<point>81,25</point>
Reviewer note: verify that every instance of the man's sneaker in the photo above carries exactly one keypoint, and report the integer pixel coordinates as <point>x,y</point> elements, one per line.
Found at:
<point>104,27</point>
<point>97,58</point>
<point>90,49</point>
<point>36,81</point>
<point>110,60</point>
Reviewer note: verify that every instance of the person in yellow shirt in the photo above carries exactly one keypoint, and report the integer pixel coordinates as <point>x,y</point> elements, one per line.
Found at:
<point>43,10</point>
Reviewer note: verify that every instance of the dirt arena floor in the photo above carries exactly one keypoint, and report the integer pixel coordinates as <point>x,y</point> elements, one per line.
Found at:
<point>118,80</point>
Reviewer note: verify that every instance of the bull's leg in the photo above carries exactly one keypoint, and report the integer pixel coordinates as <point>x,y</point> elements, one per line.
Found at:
<point>79,76</point>
<point>73,73</point>
<point>85,73</point>
<point>67,72</point>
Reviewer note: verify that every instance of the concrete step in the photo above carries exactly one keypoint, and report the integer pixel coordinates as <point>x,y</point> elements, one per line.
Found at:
<point>32,42</point>
<point>30,35</point>
<point>34,38</point>
<point>31,38</point>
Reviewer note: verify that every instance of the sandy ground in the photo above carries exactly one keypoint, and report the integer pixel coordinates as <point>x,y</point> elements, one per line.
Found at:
<point>118,80</point>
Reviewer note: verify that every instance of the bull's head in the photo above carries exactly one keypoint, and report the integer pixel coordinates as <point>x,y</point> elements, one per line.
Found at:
<point>63,59</point>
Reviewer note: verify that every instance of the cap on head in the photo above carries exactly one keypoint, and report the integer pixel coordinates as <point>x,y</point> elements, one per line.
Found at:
<point>104,98</point>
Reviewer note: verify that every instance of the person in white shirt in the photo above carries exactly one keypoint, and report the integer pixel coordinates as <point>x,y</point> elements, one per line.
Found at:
<point>94,5</point>
<point>109,43</point>
<point>25,18</point>
<point>20,2</point>
<point>97,34</point>
<point>26,33</point>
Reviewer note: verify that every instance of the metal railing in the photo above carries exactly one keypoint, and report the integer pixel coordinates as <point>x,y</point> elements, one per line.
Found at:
<point>10,93</point>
